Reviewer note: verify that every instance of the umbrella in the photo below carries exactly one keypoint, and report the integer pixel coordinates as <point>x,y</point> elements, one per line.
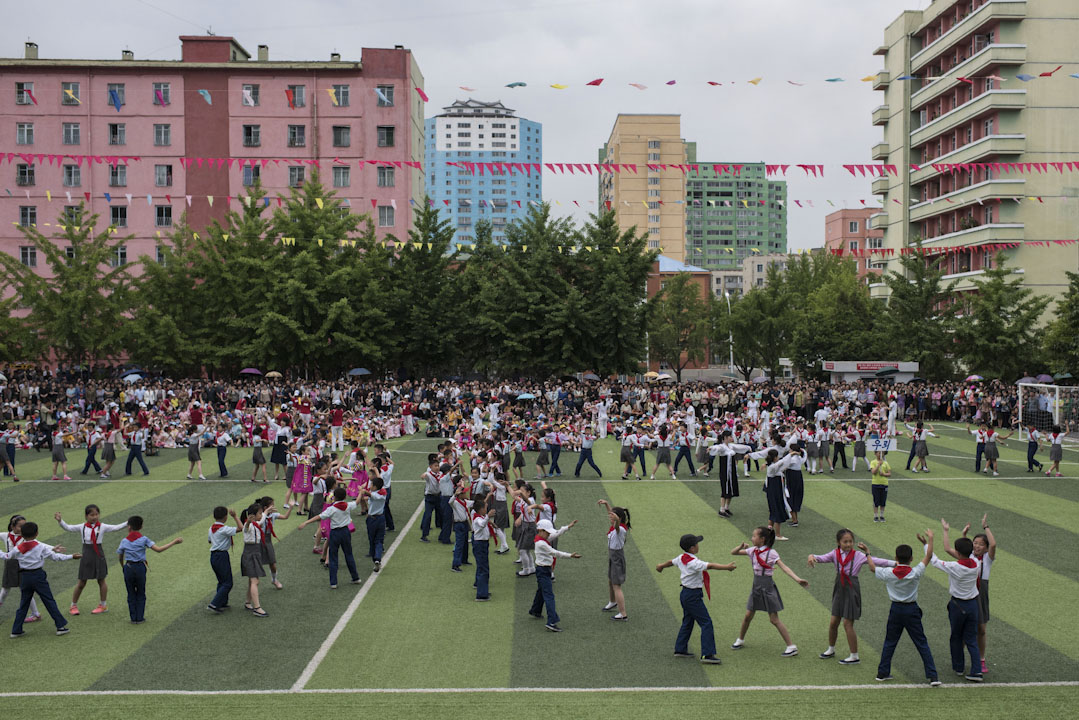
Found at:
<point>132,371</point>
<point>761,379</point>
<point>358,371</point>
<point>132,377</point>
<point>274,374</point>
<point>917,380</point>
<point>526,396</point>
<point>1024,380</point>
<point>590,376</point>
<point>664,376</point>
<point>973,378</point>
<point>651,374</point>
<point>250,371</point>
<point>1058,376</point>
<point>1043,378</point>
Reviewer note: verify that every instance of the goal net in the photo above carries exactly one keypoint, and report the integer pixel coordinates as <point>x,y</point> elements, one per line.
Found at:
<point>1044,406</point>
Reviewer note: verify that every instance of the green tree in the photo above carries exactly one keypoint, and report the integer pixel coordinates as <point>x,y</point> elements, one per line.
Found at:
<point>996,335</point>
<point>764,324</point>
<point>679,323</point>
<point>77,310</point>
<point>732,336</point>
<point>1062,334</point>
<point>920,314</point>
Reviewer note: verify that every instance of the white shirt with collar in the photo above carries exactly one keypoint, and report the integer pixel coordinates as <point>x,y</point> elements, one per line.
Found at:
<point>691,572</point>
<point>545,554</point>
<point>339,517</point>
<point>34,557</point>
<point>962,580</point>
<point>86,532</point>
<point>901,589</point>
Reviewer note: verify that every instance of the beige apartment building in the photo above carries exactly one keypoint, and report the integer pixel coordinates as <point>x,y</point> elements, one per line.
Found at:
<point>967,104</point>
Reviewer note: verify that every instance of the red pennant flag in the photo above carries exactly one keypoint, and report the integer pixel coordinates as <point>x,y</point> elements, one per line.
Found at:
<point>290,98</point>
<point>87,196</point>
<point>422,94</point>
<point>713,83</point>
<point>597,82</point>
<point>1044,74</point>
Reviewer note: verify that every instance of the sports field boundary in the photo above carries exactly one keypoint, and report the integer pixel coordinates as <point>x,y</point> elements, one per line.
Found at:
<point>343,621</point>
<point>551,690</point>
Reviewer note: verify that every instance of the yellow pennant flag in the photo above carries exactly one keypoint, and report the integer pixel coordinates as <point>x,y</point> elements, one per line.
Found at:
<point>320,242</point>
<point>210,199</point>
<point>48,194</point>
<point>225,237</point>
<point>524,248</point>
<point>71,95</point>
<point>63,228</point>
<point>755,81</point>
<point>618,249</point>
<point>503,248</point>
<point>460,247</point>
<point>869,78</point>
<point>195,235</point>
<point>429,246</point>
<point>556,86</point>
<point>158,233</point>
<point>342,242</point>
<point>588,248</point>
<point>645,203</point>
<point>560,249</point>
<point>333,96</point>
<point>318,201</point>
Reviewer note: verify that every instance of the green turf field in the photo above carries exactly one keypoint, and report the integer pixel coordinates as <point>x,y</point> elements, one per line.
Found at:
<point>415,626</point>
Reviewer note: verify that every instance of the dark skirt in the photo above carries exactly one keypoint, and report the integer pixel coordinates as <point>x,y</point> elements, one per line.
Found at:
<point>502,514</point>
<point>826,449</point>
<point>257,457</point>
<point>859,448</point>
<point>812,449</point>
<point>269,554</point>
<point>663,456</point>
<point>626,454</point>
<point>1056,453</point>
<point>279,455</point>
<point>764,596</point>
<point>777,510</point>
<point>796,489</point>
<point>92,566</point>
<point>921,449</point>
<point>983,602</point>
<point>991,451</point>
<point>616,566</point>
<point>318,504</point>
<point>11,574</point>
<point>251,561</point>
<point>193,453</point>
<point>543,459</point>
<point>518,460</point>
<point>108,452</point>
<point>847,599</point>
<point>526,538</point>
<point>58,454</point>
<point>728,481</point>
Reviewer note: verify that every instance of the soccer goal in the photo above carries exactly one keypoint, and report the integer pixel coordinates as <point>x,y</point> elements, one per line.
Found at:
<point>1046,405</point>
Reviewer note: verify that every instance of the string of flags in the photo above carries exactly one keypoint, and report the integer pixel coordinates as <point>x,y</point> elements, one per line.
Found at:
<point>951,249</point>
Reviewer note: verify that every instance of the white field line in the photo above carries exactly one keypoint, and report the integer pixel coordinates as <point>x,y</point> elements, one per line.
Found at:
<point>353,606</point>
<point>519,690</point>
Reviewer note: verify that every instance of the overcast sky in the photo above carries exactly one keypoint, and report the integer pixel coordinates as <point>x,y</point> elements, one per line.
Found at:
<point>485,44</point>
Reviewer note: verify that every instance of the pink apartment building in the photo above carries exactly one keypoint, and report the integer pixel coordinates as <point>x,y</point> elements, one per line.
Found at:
<point>361,121</point>
<point>849,231</point>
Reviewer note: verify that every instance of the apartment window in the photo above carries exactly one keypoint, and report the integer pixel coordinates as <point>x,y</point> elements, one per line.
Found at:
<point>653,181</point>
<point>118,175</point>
<point>297,135</point>
<point>342,135</point>
<point>72,134</point>
<point>164,215</point>
<point>72,176</point>
<point>653,205</point>
<point>385,216</point>
<point>162,95</point>
<point>988,127</point>
<point>385,135</point>
<point>71,213</point>
<point>386,177</point>
<point>341,92</point>
<point>874,243</point>
<point>119,216</point>
<point>162,135</point>
<point>464,134</point>
<point>69,93</point>
<point>988,215</point>
<point>653,244</point>
<point>24,133</point>
<point>653,144</point>
<point>163,175</point>
<point>250,94</point>
<point>119,256</point>
<point>653,157</point>
<point>653,193</point>
<point>251,174</point>
<point>853,245</point>
<point>28,255</point>
<point>24,174</point>
<point>989,84</point>
<point>69,253</point>
<point>341,177</point>
<point>28,215</point>
<point>653,218</point>
<point>252,135</point>
<point>295,176</point>
<point>161,257</point>
<point>297,95</point>
<point>852,226</point>
<point>654,232</point>
<point>115,94</point>
<point>117,134</point>
<point>23,91</point>
<point>385,95</point>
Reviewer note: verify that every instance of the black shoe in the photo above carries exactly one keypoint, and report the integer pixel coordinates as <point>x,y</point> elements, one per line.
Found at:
<point>456,568</point>
<point>711,660</point>
<point>554,628</point>
<point>466,562</point>
<point>883,678</point>
<point>684,655</point>
<point>975,677</point>
<point>423,539</point>
<point>536,615</point>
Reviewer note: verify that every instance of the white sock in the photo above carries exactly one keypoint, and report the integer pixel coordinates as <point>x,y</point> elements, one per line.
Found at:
<point>830,650</point>
<point>501,535</point>
<point>273,576</point>
<point>853,656</point>
<point>531,561</point>
<point>739,641</point>
<point>610,605</point>
<point>790,648</point>
<point>3,594</point>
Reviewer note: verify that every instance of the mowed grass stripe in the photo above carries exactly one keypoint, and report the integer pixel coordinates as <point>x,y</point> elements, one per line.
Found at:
<point>1011,602</point>
<point>1033,504</point>
<point>177,579</point>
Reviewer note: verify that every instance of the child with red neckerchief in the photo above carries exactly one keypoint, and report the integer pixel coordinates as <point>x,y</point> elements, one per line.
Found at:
<point>765,595</point>
<point>695,583</point>
<point>132,552</point>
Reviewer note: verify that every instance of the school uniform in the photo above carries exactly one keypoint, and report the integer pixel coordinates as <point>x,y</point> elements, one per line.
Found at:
<point>695,581</point>
<point>481,538</point>
<point>340,515</point>
<point>386,473</point>
<point>904,614</point>
<point>58,455</point>
<point>587,441</point>
<point>430,501</point>
<point>728,468</point>
<point>795,482</point>
<point>92,566</point>
<point>991,450</point>
<point>554,442</point>
<point>222,441</point>
<point>93,439</point>
<point>133,552</point>
<point>257,458</point>
<point>279,453</point>
<point>269,554</point>
<point>545,559</point>
<point>445,498</point>
<point>980,439</point>
<point>221,538</point>
<point>663,449</point>
<point>526,534</point>
<point>376,522</point>
<point>1056,447</point>
<point>1032,448</point>
<point>681,444</point>
<point>984,564</point>
<point>31,556</point>
<point>251,558</point>
<point>847,592</point>
<point>193,443</point>
<point>774,489</point>
<point>963,610</point>
<point>625,455</point>
<point>839,449</point>
<point>764,596</point>
<point>9,440</point>
<point>318,498</point>
<point>616,554</point>
<point>136,449</point>
<point>460,509</point>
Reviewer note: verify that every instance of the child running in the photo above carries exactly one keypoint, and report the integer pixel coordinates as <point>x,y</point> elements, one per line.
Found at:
<point>765,595</point>
<point>92,566</point>
<point>616,558</point>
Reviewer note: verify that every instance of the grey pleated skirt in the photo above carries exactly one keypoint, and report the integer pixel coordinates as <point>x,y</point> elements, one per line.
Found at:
<point>991,451</point>
<point>526,538</point>
<point>626,454</point>
<point>543,459</point>
<point>983,602</point>
<point>847,599</point>
<point>108,452</point>
<point>502,514</point>
<point>1056,453</point>
<point>92,566</point>
<point>193,453</point>
<point>764,597</point>
<point>58,454</point>
<point>859,448</point>
<point>616,566</point>
<point>663,456</point>
<point>921,449</point>
<point>257,457</point>
<point>11,574</point>
<point>251,561</point>
<point>812,449</point>
<point>269,554</point>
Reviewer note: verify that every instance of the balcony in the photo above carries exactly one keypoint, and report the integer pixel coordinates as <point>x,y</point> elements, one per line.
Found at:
<point>880,116</point>
<point>877,221</point>
<point>983,16</point>
<point>880,151</point>
<point>883,78</point>
<point>974,67</point>
<point>998,232</point>
<point>986,147</point>
<point>1009,188</point>
<point>987,101</point>
<point>880,185</point>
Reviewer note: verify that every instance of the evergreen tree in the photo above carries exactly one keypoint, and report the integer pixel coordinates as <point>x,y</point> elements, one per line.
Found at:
<point>1062,334</point>
<point>920,314</point>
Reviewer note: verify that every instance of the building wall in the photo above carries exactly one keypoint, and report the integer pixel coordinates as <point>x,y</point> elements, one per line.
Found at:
<point>202,130</point>
<point>755,269</point>
<point>949,121</point>
<point>848,230</point>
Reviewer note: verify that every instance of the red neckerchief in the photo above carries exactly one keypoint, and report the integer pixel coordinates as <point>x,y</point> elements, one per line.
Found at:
<point>27,545</point>
<point>269,526</point>
<point>93,537</point>
<point>901,571</point>
<point>490,535</point>
<point>844,577</point>
<point>133,536</point>
<point>757,555</point>
<point>217,526</point>
<point>968,562</point>
<point>258,529</point>
<point>381,491</point>
<point>686,559</point>
<point>542,540</point>
<point>341,505</point>
<point>981,564</point>
<point>614,529</point>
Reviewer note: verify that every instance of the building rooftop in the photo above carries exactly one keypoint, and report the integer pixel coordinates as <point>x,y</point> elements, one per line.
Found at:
<point>670,265</point>
<point>478,107</point>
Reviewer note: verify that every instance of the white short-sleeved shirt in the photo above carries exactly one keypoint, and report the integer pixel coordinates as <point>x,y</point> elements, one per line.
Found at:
<point>691,570</point>
<point>616,537</point>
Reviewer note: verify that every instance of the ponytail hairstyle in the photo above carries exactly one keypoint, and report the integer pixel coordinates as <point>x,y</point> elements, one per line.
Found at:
<point>772,456</point>
<point>13,522</point>
<point>549,493</point>
<point>768,534</point>
<point>623,516</point>
<point>840,533</point>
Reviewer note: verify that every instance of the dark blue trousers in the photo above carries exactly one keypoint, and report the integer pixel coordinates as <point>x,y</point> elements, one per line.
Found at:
<point>221,450</point>
<point>10,449</point>
<point>638,452</point>
<point>430,508</point>
<point>91,459</point>
<point>483,568</point>
<point>341,538</point>
<point>376,535</point>
<point>446,513</point>
<point>556,451</point>
<point>136,455</point>
<point>910,458</point>
<point>905,616</point>
<point>684,453</point>
<point>30,582</point>
<point>544,595</point>
<point>135,579</point>
<point>694,611</point>
<point>586,457</point>
<point>963,616</point>
<point>978,457</point>
<point>1032,448</point>
<point>460,544</point>
<point>386,512</point>
<point>222,567</point>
